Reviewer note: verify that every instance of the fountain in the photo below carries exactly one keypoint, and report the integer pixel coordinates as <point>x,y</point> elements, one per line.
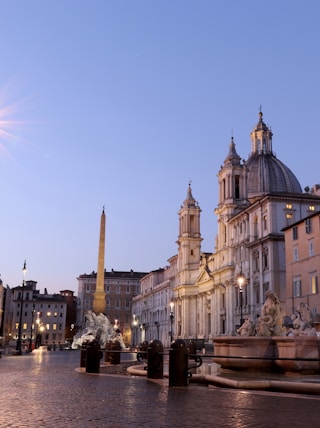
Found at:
<point>266,345</point>
<point>97,326</point>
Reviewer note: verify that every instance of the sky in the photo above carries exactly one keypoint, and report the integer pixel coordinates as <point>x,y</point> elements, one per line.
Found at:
<point>123,103</point>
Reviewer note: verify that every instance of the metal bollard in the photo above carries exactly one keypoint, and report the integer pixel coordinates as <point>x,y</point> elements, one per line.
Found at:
<point>115,356</point>
<point>192,349</point>
<point>83,354</point>
<point>192,355</point>
<point>94,356</point>
<point>143,348</point>
<point>155,360</point>
<point>107,355</point>
<point>178,363</point>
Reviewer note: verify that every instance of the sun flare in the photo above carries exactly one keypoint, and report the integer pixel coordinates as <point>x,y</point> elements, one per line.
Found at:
<point>10,123</point>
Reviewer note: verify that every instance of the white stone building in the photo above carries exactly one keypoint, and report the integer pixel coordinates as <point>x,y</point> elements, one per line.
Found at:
<point>257,199</point>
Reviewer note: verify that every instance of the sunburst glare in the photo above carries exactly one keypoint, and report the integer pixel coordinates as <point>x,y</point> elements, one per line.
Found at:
<point>10,123</point>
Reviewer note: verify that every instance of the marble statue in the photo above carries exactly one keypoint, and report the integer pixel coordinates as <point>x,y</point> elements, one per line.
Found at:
<point>270,322</point>
<point>97,326</point>
<point>302,324</point>
<point>247,328</point>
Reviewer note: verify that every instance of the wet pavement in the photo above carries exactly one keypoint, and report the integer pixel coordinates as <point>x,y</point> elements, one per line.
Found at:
<point>47,389</point>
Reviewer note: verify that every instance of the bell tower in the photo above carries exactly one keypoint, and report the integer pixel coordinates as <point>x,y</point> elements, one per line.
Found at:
<point>232,179</point>
<point>189,239</point>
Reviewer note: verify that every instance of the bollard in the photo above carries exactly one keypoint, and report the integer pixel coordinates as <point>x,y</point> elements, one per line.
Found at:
<point>178,363</point>
<point>94,356</point>
<point>155,360</point>
<point>107,355</point>
<point>192,355</point>
<point>143,347</point>
<point>83,354</point>
<point>192,349</point>
<point>115,356</point>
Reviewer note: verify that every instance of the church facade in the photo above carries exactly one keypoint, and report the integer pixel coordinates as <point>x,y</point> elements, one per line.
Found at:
<point>211,293</point>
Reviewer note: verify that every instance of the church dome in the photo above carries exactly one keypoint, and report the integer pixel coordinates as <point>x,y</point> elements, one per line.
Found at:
<point>266,173</point>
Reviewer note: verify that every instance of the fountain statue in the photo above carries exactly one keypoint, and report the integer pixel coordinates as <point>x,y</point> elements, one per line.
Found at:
<point>97,326</point>
<point>268,345</point>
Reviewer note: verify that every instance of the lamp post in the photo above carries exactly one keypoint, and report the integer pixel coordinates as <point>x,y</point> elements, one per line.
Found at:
<point>171,320</point>
<point>135,324</point>
<point>31,328</point>
<point>240,283</point>
<point>18,347</point>
<point>37,342</point>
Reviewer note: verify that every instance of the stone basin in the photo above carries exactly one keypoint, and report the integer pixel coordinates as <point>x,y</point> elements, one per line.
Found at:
<point>299,349</point>
<point>234,352</point>
<point>277,353</point>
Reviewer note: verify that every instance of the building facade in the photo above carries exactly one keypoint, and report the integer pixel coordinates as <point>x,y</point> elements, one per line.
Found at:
<point>258,197</point>
<point>302,240</point>
<point>151,308</point>
<point>120,288</point>
<point>42,317</point>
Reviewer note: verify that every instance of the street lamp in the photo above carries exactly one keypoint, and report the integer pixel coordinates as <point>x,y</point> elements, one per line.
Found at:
<point>171,320</point>
<point>240,281</point>
<point>18,347</point>
<point>31,327</point>
<point>135,325</point>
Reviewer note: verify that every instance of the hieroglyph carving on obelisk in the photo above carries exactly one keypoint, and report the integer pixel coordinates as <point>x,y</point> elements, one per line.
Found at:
<point>99,297</point>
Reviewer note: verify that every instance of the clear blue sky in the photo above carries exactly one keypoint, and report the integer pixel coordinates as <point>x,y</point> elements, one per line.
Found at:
<point>121,103</point>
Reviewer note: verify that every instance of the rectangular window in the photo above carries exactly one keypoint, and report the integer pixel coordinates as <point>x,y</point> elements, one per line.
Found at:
<point>296,287</point>
<point>313,283</point>
<point>118,289</point>
<point>295,254</point>
<point>117,303</point>
<point>308,225</point>
<point>294,232</point>
<point>127,303</point>
<point>311,207</point>
<point>54,326</point>
<point>289,206</point>
<point>311,248</point>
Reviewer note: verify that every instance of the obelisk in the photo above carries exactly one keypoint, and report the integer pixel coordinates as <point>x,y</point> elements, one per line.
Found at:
<point>99,296</point>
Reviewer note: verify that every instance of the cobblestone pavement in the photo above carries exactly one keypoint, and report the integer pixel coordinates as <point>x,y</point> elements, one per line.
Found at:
<point>44,389</point>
